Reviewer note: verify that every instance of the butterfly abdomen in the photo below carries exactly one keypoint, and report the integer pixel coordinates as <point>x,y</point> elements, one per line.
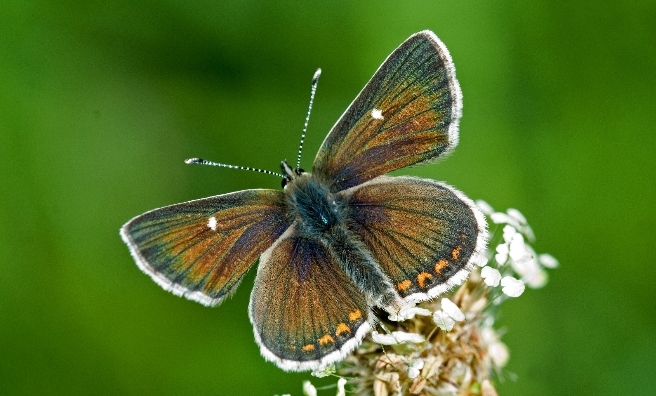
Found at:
<point>362,268</point>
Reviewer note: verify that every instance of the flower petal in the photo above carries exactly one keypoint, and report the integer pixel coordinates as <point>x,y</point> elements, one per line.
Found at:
<point>484,207</point>
<point>340,387</point>
<point>409,312</point>
<point>491,276</point>
<point>502,254</point>
<point>517,215</point>
<point>452,310</point>
<point>512,287</point>
<point>537,279</point>
<point>526,266</point>
<point>548,260</point>
<point>499,353</point>
<point>309,389</point>
<point>415,368</point>
<point>413,373</point>
<point>402,336</point>
<point>502,218</point>
<point>417,363</point>
<point>396,337</point>
<point>324,371</point>
<point>517,249</point>
<point>508,232</point>
<point>383,339</point>
<point>481,261</point>
<point>443,320</point>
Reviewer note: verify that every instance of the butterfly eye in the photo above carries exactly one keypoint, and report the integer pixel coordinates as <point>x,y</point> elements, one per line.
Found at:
<point>299,171</point>
<point>285,180</point>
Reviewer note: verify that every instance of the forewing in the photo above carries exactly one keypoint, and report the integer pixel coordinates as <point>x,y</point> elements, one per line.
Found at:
<point>406,114</point>
<point>201,249</point>
<point>305,311</point>
<point>425,235</point>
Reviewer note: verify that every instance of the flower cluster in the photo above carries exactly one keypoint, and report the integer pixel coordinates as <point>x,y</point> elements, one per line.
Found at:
<point>449,346</point>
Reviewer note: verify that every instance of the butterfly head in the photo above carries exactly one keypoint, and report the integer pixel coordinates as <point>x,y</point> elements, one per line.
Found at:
<point>289,173</point>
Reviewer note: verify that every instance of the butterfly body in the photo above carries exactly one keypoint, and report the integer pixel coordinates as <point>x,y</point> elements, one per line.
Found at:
<point>341,240</point>
<point>322,215</point>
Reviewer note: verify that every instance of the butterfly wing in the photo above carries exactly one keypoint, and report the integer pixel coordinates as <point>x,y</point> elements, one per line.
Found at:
<point>306,312</point>
<point>406,114</point>
<point>424,234</point>
<point>201,249</point>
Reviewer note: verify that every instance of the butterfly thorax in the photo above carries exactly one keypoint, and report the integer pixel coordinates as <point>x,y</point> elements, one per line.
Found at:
<point>315,209</point>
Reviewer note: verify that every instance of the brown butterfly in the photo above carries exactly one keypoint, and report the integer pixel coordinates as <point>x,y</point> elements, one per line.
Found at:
<point>338,241</point>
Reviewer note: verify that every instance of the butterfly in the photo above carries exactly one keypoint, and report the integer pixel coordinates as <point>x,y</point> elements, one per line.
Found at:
<point>340,242</point>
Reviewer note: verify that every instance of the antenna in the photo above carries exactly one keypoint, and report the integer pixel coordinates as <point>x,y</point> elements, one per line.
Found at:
<point>200,161</point>
<point>315,81</point>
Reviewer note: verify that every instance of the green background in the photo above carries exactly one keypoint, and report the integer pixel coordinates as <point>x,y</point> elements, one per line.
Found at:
<point>100,103</point>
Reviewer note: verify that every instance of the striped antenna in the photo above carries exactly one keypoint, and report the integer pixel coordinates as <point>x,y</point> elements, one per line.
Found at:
<point>315,81</point>
<point>200,161</point>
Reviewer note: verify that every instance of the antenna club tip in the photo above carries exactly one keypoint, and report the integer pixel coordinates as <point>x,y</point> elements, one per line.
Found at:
<point>193,161</point>
<point>316,75</point>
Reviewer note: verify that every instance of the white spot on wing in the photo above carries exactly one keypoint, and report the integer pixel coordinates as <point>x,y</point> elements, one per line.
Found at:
<point>212,223</point>
<point>377,114</point>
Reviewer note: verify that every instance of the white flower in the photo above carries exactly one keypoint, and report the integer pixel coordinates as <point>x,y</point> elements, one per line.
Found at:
<point>484,207</point>
<point>309,389</point>
<point>443,320</point>
<point>502,218</point>
<point>515,219</point>
<point>324,371</point>
<point>528,232</point>
<point>502,253</point>
<point>496,349</point>
<point>409,312</point>
<point>446,366</point>
<point>340,387</point>
<point>527,267</point>
<point>491,276</point>
<point>396,337</point>
<point>536,279</point>
<point>499,353</point>
<point>512,287</point>
<point>517,215</point>
<point>548,260</point>
<point>508,232</point>
<point>481,261</point>
<point>415,367</point>
<point>452,310</point>
<point>383,339</point>
<point>402,337</point>
<point>517,248</point>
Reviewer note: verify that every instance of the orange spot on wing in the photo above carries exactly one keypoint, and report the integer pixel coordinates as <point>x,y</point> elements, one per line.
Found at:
<point>342,328</point>
<point>456,252</point>
<point>308,348</point>
<point>440,264</point>
<point>421,279</point>
<point>326,339</point>
<point>403,286</point>
<point>355,315</point>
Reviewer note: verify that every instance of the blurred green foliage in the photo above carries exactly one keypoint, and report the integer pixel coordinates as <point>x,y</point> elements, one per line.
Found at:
<point>100,102</point>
